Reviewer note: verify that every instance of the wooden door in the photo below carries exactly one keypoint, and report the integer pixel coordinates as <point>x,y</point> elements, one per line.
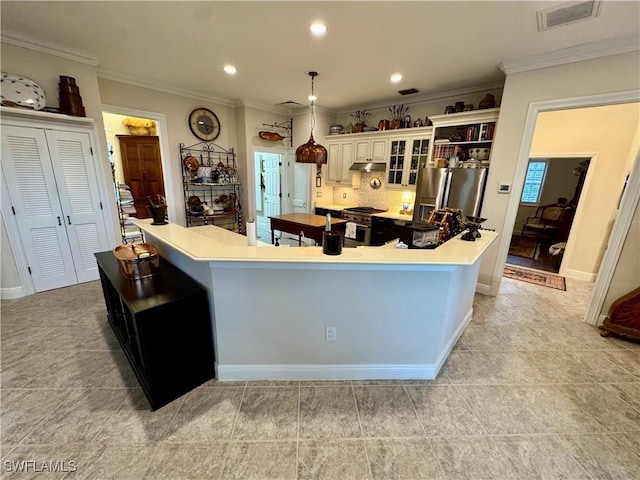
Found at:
<point>77,184</point>
<point>142,169</point>
<point>31,184</point>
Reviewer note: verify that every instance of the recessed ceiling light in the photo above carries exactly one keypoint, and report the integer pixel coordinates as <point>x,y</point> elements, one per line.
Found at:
<point>312,98</point>
<point>396,77</point>
<point>230,69</point>
<point>318,29</point>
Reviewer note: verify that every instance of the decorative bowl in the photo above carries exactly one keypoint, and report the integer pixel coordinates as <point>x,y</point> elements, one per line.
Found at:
<point>479,153</point>
<point>21,91</point>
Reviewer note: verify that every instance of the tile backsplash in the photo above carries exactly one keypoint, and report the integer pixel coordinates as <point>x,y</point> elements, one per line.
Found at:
<point>382,198</point>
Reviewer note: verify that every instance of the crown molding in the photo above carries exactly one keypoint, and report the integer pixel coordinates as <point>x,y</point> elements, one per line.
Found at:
<point>243,102</point>
<point>578,53</point>
<point>461,92</point>
<point>139,82</point>
<point>49,48</point>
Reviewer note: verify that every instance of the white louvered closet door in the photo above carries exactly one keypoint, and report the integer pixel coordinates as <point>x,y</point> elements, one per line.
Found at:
<point>31,184</point>
<point>78,191</point>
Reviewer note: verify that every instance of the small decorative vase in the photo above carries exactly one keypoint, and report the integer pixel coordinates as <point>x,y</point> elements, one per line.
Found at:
<point>359,127</point>
<point>487,102</point>
<point>395,124</point>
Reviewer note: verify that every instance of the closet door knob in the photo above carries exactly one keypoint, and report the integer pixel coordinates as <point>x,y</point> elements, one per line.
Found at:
<point>59,222</point>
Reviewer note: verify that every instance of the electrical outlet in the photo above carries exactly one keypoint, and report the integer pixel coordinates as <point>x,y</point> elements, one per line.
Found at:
<point>344,195</point>
<point>319,193</point>
<point>330,334</point>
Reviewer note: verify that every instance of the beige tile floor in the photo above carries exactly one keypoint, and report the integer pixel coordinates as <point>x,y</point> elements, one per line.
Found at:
<point>529,392</point>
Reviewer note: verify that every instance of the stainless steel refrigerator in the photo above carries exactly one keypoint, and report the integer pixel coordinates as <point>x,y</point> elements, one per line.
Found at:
<point>461,188</point>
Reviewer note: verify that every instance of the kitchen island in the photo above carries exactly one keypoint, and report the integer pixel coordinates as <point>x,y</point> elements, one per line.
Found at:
<point>396,314</point>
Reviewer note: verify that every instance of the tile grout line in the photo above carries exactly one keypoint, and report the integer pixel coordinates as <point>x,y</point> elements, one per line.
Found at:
<point>116,410</point>
<point>298,431</point>
<point>41,421</point>
<point>233,428</point>
<point>424,430</point>
<point>364,444</point>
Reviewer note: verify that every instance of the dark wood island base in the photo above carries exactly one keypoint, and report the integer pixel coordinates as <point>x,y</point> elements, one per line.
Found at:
<point>163,326</point>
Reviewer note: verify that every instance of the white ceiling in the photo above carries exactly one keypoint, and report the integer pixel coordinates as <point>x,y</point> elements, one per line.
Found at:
<point>182,46</point>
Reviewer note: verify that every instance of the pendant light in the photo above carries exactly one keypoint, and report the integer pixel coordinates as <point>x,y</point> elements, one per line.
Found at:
<point>312,152</point>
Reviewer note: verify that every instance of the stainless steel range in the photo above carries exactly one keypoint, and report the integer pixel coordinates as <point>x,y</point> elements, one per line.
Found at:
<point>361,217</point>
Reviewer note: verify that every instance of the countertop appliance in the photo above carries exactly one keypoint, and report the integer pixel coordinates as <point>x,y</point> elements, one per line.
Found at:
<point>438,188</point>
<point>361,216</point>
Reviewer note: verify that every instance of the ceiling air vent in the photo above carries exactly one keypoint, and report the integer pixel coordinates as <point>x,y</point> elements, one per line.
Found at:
<point>290,103</point>
<point>408,91</point>
<point>568,13</point>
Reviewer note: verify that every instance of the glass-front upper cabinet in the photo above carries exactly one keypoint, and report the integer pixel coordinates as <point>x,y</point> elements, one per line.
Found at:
<point>419,156</point>
<point>396,162</point>
<point>406,157</point>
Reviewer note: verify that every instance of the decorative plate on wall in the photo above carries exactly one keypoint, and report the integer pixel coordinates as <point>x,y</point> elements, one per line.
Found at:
<point>21,91</point>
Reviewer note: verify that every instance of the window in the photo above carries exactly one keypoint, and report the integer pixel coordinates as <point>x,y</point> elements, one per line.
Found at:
<point>534,181</point>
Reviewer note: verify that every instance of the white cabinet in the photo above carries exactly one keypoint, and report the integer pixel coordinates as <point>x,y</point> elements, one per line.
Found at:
<point>404,151</point>
<point>370,150</point>
<point>339,160</point>
<point>53,191</point>
<point>468,136</point>
<point>406,156</point>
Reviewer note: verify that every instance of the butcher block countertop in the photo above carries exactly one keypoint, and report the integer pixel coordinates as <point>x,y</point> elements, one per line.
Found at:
<point>308,219</point>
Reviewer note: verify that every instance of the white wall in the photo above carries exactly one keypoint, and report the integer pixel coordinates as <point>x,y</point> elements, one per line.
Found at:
<point>418,110</point>
<point>176,109</point>
<point>45,71</point>
<point>626,277</point>
<point>113,127</point>
<point>250,120</point>
<point>586,78</point>
<point>606,132</point>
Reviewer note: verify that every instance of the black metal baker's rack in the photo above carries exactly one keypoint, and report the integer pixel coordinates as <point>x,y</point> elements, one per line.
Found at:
<point>215,183</point>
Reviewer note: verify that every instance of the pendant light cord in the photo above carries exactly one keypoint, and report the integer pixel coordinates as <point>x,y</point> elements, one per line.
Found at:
<point>313,113</point>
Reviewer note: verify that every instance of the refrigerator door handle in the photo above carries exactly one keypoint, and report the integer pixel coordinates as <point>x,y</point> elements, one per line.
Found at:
<point>447,187</point>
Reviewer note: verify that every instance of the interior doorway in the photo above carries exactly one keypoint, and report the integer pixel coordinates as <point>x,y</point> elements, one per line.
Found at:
<point>547,208</point>
<point>268,191</point>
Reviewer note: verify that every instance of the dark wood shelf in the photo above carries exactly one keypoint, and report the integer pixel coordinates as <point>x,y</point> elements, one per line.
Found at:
<point>163,326</point>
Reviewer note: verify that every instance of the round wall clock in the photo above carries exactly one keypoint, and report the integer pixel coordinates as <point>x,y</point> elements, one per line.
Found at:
<point>204,124</point>
<point>375,182</point>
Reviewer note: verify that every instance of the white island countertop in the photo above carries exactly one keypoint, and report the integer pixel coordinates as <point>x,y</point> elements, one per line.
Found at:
<point>397,313</point>
<point>215,244</point>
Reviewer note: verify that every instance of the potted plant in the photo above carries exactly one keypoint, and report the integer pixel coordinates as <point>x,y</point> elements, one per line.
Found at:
<point>397,114</point>
<point>360,117</point>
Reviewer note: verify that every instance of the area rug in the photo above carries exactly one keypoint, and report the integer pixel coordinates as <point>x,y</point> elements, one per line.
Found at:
<point>522,246</point>
<point>534,276</point>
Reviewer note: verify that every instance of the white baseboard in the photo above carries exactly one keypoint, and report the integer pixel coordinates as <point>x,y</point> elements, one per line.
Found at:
<point>326,372</point>
<point>579,275</point>
<point>601,319</point>
<point>452,341</point>
<point>11,293</point>
<point>342,372</point>
<point>483,289</point>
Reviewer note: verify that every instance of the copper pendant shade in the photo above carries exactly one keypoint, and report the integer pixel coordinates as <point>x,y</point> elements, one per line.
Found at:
<point>311,152</point>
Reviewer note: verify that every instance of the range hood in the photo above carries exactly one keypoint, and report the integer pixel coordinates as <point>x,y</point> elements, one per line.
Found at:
<point>369,166</point>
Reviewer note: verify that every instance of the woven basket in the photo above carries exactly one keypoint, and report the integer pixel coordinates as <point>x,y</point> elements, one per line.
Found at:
<point>139,130</point>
